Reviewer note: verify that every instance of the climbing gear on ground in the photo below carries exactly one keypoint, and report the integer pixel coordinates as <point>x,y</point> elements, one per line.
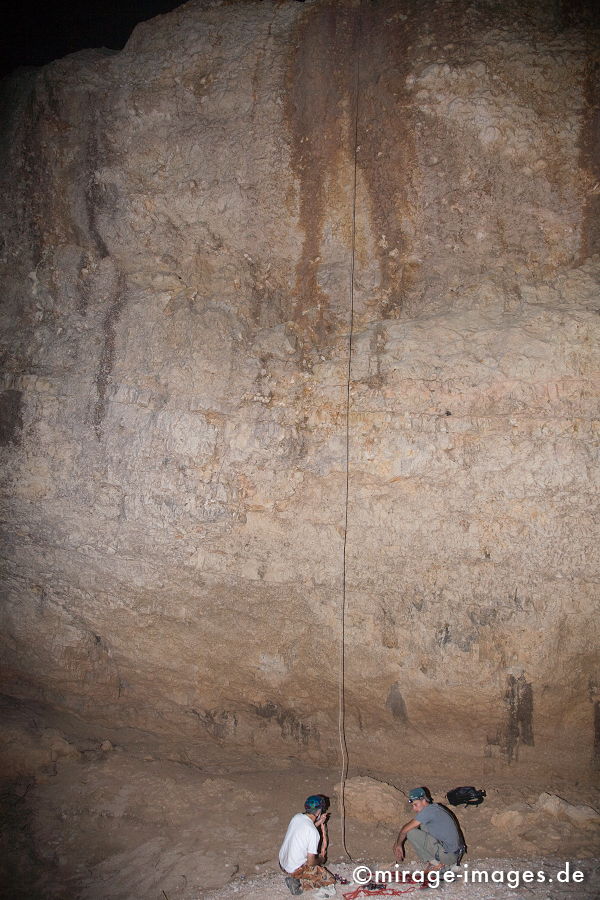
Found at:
<point>372,889</point>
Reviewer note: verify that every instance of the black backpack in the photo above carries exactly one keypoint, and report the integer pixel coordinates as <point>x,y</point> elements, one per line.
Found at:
<point>470,796</point>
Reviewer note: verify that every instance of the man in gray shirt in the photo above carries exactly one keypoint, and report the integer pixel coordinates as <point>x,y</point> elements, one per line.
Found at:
<point>433,833</point>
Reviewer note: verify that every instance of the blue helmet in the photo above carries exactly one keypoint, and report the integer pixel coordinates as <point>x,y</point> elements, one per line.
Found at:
<point>315,802</point>
<point>419,793</point>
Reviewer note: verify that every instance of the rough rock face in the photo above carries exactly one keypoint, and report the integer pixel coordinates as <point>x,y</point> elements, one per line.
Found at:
<point>373,801</point>
<point>178,224</point>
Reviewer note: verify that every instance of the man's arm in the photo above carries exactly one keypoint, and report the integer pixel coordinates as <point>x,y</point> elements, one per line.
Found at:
<point>399,845</point>
<point>317,859</point>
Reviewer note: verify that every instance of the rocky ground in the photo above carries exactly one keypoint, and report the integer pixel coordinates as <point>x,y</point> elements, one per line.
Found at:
<point>267,886</point>
<point>127,817</point>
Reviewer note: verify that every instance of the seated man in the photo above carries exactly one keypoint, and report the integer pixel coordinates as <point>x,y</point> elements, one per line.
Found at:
<point>433,833</point>
<point>299,854</point>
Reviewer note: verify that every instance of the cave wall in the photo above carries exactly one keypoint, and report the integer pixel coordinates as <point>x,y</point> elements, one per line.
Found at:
<point>176,268</point>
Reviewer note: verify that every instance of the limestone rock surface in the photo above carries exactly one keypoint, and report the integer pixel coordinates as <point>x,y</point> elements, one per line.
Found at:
<point>34,753</point>
<point>579,814</point>
<point>370,800</point>
<point>266,253</point>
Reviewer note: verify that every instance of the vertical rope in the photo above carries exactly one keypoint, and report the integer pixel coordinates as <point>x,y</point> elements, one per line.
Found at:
<point>341,699</point>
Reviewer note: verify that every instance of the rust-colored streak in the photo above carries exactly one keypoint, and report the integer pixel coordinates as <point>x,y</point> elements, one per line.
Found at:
<point>385,137</point>
<point>590,160</point>
<point>107,359</point>
<point>596,749</point>
<point>320,89</point>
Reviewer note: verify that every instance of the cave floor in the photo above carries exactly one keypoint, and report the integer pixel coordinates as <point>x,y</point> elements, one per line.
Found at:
<point>267,886</point>
<point>128,823</point>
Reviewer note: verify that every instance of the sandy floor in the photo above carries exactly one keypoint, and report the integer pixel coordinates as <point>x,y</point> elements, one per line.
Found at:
<point>127,823</point>
<point>268,886</point>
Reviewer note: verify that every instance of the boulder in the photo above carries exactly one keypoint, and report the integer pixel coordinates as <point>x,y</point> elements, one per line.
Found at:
<point>27,752</point>
<point>369,800</point>
<point>507,820</point>
<point>578,814</point>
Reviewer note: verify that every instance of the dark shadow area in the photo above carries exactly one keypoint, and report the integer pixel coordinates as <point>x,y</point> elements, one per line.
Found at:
<point>21,869</point>
<point>37,33</point>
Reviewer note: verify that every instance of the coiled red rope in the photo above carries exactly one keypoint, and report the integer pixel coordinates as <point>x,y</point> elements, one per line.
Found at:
<point>382,892</point>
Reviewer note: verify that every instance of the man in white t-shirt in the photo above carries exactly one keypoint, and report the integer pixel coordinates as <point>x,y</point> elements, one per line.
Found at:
<point>304,850</point>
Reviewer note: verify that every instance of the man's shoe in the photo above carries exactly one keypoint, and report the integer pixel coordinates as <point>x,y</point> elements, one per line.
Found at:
<point>294,885</point>
<point>434,866</point>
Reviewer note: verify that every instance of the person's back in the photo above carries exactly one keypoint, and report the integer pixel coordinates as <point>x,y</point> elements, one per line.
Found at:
<point>299,854</point>
<point>440,823</point>
<point>301,838</point>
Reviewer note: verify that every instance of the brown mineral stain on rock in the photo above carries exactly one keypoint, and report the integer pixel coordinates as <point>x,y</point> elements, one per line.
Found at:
<point>590,160</point>
<point>396,704</point>
<point>386,140</point>
<point>291,726</point>
<point>319,104</point>
<point>519,716</point>
<point>596,750</point>
<point>95,196</point>
<point>107,358</point>
<point>11,417</point>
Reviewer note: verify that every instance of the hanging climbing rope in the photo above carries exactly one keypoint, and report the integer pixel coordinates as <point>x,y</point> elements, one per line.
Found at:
<point>341,699</point>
